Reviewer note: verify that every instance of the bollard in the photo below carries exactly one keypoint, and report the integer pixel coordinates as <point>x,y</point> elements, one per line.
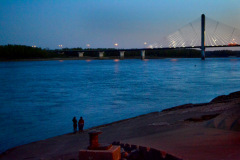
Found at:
<point>93,139</point>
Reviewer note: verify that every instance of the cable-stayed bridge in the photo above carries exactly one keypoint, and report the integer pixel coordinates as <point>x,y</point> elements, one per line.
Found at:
<point>216,34</point>
<point>201,33</point>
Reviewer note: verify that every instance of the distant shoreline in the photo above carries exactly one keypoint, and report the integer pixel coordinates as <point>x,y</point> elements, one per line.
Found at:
<point>77,58</point>
<point>96,58</point>
<point>29,53</point>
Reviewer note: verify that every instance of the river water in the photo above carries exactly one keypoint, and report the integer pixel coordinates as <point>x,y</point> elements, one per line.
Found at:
<point>38,99</point>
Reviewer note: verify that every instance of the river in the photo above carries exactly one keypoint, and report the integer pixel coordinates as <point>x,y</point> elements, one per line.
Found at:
<point>38,99</point>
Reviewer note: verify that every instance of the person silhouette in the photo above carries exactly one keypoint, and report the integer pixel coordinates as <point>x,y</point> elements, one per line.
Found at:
<point>74,124</point>
<point>80,124</point>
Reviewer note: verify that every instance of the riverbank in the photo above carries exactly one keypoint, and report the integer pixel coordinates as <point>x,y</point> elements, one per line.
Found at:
<point>193,131</point>
<point>104,58</point>
<point>78,58</point>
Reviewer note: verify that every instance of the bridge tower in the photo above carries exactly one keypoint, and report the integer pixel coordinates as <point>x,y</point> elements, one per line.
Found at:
<point>203,37</point>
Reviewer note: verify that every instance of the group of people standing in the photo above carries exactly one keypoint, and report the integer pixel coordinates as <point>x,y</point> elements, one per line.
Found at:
<point>79,124</point>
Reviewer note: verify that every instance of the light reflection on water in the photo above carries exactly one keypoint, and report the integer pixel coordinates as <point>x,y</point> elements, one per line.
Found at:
<point>39,98</point>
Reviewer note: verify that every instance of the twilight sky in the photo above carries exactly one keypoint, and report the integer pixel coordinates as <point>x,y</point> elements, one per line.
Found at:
<point>101,23</point>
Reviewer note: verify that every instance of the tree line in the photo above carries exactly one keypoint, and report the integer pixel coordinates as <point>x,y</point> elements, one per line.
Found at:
<point>12,52</point>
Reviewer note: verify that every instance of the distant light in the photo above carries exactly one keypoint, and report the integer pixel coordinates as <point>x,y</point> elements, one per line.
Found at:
<point>88,60</point>
<point>88,45</point>
<point>116,44</point>
<point>145,43</point>
<point>174,60</point>
<point>60,45</point>
<point>34,46</point>
<point>116,60</point>
<point>150,46</point>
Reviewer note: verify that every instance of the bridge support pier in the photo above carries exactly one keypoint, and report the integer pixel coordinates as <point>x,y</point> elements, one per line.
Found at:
<point>203,53</point>
<point>101,54</point>
<point>122,54</point>
<point>142,54</point>
<point>203,37</point>
<point>80,54</point>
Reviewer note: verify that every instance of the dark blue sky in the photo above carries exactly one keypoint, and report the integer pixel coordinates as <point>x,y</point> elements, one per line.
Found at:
<point>101,23</point>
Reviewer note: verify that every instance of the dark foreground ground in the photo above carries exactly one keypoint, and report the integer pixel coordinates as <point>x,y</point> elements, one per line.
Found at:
<point>209,131</point>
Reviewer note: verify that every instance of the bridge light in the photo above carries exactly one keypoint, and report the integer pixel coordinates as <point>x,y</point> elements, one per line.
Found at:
<point>150,46</point>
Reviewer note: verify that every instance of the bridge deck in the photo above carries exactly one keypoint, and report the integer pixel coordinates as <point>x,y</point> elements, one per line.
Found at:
<point>146,49</point>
